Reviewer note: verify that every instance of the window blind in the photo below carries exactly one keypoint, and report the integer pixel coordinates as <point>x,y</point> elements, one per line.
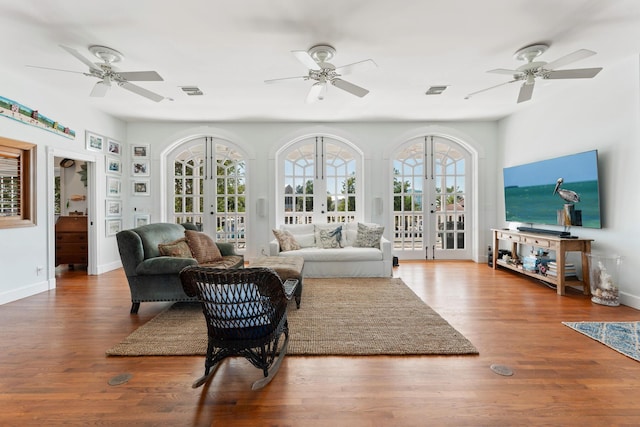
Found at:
<point>10,185</point>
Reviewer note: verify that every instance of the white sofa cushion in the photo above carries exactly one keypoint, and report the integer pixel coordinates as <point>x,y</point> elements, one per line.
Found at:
<point>348,254</point>
<point>349,233</point>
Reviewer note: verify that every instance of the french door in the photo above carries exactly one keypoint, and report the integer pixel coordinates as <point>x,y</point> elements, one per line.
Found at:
<point>207,187</point>
<point>430,200</point>
<point>319,181</point>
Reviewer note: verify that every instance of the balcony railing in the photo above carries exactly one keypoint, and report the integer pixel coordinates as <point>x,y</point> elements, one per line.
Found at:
<point>229,228</point>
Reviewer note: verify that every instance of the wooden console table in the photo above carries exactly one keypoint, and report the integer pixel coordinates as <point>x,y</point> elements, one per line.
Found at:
<point>548,243</point>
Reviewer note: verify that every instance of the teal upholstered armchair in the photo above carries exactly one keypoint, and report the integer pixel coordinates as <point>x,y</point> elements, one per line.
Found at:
<point>155,277</point>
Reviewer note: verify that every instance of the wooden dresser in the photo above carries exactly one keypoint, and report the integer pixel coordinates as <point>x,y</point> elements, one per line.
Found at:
<point>71,240</point>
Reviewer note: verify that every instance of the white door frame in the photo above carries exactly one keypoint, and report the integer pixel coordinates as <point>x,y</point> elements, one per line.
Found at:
<point>92,241</point>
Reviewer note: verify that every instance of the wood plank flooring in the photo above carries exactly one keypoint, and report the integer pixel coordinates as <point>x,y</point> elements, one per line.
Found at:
<point>53,370</point>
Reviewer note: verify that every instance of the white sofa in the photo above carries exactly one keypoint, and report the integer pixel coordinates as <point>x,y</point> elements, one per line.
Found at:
<point>346,261</point>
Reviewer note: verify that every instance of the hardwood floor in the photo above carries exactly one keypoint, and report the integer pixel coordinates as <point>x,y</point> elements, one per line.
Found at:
<point>53,368</point>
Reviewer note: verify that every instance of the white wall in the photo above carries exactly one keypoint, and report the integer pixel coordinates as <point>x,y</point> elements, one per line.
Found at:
<point>24,250</point>
<point>262,140</point>
<point>605,116</point>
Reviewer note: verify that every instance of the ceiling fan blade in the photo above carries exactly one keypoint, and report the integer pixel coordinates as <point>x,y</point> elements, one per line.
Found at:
<point>578,73</point>
<point>306,59</point>
<point>84,60</point>
<point>141,76</point>
<point>526,91</point>
<point>57,69</point>
<point>141,91</point>
<point>350,87</point>
<point>286,79</point>
<point>316,93</point>
<point>489,88</point>
<point>504,71</point>
<point>367,64</point>
<point>567,59</point>
<point>100,89</point>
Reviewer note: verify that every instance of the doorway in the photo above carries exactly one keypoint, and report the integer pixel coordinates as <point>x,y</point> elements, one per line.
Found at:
<point>71,213</point>
<point>71,189</point>
<point>206,186</point>
<point>431,201</point>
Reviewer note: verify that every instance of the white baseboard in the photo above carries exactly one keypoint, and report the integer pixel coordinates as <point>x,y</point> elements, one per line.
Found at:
<point>109,267</point>
<point>26,291</point>
<point>630,300</point>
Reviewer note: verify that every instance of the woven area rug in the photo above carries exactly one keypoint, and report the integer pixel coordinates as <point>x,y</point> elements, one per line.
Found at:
<point>623,337</point>
<point>343,316</point>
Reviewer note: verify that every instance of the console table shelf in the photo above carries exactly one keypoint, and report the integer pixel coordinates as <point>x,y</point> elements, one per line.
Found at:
<point>560,245</point>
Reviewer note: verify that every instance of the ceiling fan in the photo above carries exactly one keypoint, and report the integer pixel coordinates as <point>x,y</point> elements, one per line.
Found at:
<point>316,59</point>
<point>109,75</point>
<point>529,72</point>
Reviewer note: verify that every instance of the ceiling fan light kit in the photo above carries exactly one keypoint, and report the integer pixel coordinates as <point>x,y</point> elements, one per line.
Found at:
<point>532,70</point>
<point>322,72</point>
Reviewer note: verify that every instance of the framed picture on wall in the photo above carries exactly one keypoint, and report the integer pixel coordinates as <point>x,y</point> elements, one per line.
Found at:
<point>113,147</point>
<point>113,187</point>
<point>113,207</point>
<point>93,142</point>
<point>113,226</point>
<point>113,165</point>
<point>140,187</point>
<point>140,151</point>
<point>140,168</point>
<point>141,219</point>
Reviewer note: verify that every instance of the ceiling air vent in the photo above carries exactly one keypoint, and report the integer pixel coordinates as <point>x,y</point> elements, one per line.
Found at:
<point>192,90</point>
<point>435,90</point>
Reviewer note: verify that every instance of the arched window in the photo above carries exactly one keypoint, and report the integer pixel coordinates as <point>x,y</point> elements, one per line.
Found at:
<point>207,187</point>
<point>319,181</point>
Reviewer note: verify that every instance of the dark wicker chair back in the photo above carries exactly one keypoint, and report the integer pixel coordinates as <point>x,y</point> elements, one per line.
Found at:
<point>246,314</point>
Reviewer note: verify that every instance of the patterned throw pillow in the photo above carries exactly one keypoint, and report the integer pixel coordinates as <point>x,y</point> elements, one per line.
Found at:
<point>369,236</point>
<point>329,238</point>
<point>286,240</point>
<point>178,248</point>
<point>203,248</point>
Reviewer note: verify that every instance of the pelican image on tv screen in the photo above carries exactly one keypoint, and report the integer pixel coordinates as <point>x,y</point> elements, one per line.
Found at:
<point>536,192</point>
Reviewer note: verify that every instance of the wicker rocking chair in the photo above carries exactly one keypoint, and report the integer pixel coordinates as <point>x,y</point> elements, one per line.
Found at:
<point>246,314</point>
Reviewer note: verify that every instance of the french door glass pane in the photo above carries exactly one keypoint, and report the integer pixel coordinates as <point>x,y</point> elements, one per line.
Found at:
<point>319,180</point>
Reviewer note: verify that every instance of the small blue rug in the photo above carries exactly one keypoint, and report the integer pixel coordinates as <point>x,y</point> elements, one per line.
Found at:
<point>623,337</point>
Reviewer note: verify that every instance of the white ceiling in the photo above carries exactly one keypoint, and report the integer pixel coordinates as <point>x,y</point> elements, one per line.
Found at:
<point>229,47</point>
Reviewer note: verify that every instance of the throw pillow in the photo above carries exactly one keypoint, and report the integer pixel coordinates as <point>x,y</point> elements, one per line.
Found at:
<point>329,238</point>
<point>286,240</point>
<point>178,248</point>
<point>203,248</point>
<point>369,236</point>
<point>303,233</point>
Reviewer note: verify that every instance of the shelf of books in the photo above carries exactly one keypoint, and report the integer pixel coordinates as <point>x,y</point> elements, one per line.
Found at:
<point>569,270</point>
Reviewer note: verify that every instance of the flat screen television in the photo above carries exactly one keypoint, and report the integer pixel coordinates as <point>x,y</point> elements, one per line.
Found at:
<point>544,192</point>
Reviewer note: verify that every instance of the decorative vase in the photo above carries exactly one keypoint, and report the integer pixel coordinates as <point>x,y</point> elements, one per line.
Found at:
<point>603,275</point>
